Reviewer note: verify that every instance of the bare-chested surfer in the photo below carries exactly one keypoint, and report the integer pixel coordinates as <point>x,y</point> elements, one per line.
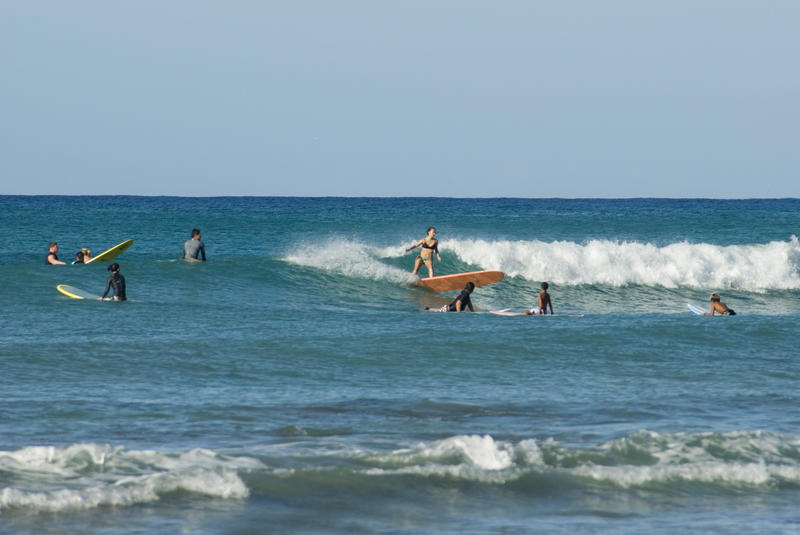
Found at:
<point>717,306</point>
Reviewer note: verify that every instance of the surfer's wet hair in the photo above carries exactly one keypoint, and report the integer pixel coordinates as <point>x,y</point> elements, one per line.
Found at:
<point>195,232</point>
<point>113,267</point>
<point>470,286</point>
<point>545,286</point>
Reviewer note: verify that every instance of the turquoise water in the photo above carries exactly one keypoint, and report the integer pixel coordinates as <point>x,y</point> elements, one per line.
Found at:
<point>293,383</point>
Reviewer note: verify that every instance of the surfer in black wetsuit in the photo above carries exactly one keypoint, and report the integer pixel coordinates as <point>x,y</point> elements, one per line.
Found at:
<point>116,281</point>
<point>429,245</point>
<point>462,301</point>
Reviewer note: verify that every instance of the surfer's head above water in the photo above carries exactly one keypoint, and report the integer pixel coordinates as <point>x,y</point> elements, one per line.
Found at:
<point>715,296</point>
<point>113,267</point>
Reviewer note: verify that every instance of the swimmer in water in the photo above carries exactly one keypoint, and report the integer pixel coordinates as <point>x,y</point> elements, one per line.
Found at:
<point>52,255</point>
<point>194,247</point>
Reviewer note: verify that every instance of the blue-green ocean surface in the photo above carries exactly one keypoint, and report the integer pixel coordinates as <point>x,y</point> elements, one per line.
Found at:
<point>293,383</point>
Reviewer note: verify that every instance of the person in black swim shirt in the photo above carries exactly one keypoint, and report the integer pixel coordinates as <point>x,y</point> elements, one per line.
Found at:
<point>52,255</point>
<point>717,306</point>
<point>462,302</point>
<point>429,245</point>
<point>116,281</point>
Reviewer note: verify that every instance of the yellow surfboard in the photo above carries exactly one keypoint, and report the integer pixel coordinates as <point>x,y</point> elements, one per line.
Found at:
<point>112,253</point>
<point>457,281</point>
<point>75,293</point>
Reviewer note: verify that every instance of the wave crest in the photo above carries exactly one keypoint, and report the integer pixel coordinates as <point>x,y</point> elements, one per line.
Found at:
<point>735,459</point>
<point>85,476</point>
<point>754,267</point>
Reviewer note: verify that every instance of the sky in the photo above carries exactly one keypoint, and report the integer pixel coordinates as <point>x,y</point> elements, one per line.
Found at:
<point>376,98</point>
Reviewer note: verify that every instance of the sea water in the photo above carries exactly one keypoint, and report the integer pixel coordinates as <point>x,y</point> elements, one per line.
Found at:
<point>293,383</point>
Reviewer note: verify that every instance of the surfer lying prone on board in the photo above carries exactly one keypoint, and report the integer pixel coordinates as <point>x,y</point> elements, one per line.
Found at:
<point>116,281</point>
<point>429,245</point>
<point>542,302</point>
<point>719,307</point>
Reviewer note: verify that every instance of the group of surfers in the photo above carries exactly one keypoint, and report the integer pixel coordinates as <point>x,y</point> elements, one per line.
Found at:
<point>430,245</point>
<point>193,250</point>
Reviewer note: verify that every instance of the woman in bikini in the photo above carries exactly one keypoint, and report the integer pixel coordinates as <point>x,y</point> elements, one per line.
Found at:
<point>429,245</point>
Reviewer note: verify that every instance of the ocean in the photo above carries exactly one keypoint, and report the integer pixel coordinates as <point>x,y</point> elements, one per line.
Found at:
<point>293,383</point>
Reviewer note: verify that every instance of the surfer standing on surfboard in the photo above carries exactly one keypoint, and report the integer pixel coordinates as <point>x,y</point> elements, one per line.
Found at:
<point>429,245</point>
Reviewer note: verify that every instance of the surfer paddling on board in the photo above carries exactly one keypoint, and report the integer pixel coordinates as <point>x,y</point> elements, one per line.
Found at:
<point>52,255</point>
<point>429,246</point>
<point>542,302</point>
<point>116,281</point>
<point>194,247</point>
<point>719,307</point>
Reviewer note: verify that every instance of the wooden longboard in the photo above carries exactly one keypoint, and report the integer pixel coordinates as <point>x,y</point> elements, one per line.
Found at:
<point>111,253</point>
<point>456,281</point>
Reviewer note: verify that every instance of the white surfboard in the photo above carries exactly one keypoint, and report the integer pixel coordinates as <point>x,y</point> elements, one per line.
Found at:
<point>697,310</point>
<point>507,312</point>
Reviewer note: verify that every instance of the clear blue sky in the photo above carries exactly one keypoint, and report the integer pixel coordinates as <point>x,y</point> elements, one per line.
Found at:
<point>372,98</point>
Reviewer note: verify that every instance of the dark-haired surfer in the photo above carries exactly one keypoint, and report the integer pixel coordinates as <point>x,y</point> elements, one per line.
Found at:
<point>52,255</point>
<point>462,302</point>
<point>194,247</point>
<point>429,245</point>
<point>116,281</point>
<point>542,302</point>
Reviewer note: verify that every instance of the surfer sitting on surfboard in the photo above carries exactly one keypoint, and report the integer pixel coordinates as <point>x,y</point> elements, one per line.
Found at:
<point>719,307</point>
<point>116,281</point>
<point>542,303</point>
<point>429,245</point>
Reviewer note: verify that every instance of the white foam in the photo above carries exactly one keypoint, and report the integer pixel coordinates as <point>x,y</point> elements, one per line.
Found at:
<point>754,267</point>
<point>350,258</point>
<point>84,476</point>
<point>747,458</point>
